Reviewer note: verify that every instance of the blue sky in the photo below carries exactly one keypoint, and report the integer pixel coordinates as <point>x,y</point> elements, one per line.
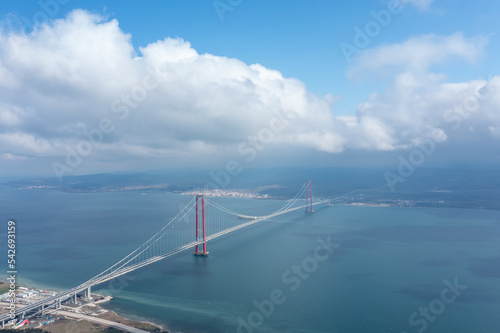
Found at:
<point>301,40</point>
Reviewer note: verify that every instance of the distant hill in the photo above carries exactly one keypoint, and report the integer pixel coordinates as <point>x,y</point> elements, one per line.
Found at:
<point>427,187</point>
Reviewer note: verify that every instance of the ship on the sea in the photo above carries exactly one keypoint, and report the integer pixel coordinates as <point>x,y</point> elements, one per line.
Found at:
<point>246,217</point>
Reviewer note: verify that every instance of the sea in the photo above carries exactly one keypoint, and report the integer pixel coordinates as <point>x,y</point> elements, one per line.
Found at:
<point>346,269</point>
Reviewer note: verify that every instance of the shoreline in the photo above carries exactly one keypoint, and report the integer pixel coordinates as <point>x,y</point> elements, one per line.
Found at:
<point>123,317</point>
<point>87,317</point>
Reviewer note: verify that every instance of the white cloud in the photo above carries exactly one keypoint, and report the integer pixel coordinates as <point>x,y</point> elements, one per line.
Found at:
<point>420,4</point>
<point>419,104</point>
<point>169,103</point>
<point>66,77</point>
<point>25,144</point>
<point>495,131</point>
<point>417,54</point>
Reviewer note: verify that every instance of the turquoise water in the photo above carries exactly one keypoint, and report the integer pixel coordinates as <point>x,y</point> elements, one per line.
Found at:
<point>389,263</point>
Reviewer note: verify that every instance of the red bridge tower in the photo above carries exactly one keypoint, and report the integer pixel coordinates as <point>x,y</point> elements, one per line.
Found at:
<point>309,197</point>
<point>197,252</point>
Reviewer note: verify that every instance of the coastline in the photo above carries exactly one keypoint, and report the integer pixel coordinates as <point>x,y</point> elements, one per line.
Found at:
<point>142,324</point>
<point>122,318</point>
<point>77,319</point>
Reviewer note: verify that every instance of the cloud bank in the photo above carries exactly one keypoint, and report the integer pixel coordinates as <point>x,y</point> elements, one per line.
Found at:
<point>79,78</point>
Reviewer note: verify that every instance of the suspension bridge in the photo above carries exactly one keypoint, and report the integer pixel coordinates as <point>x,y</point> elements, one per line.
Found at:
<point>199,222</point>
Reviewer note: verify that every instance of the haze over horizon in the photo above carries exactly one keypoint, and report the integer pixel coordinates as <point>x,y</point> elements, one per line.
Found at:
<point>125,88</point>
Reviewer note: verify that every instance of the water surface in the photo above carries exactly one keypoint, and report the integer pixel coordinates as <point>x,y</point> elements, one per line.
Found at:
<point>389,263</point>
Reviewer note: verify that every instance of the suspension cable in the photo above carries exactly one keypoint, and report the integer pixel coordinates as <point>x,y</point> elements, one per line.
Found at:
<point>142,245</point>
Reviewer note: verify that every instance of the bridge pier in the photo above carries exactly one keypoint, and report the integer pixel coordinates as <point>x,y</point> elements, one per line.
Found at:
<point>197,252</point>
<point>88,293</point>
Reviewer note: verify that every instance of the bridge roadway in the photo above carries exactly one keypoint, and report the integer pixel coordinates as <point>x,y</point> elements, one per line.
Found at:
<point>64,295</point>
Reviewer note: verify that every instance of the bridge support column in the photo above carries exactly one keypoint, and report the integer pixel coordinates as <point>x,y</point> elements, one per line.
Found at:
<point>309,197</point>
<point>197,252</point>
<point>75,300</point>
<point>88,293</point>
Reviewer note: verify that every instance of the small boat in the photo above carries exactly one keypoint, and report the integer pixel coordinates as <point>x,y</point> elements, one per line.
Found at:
<point>246,217</point>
